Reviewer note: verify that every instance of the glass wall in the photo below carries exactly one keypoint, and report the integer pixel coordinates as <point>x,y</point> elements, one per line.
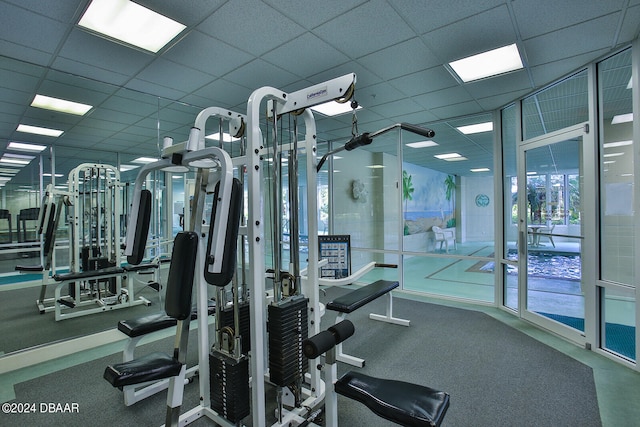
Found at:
<point>510,207</point>
<point>432,218</point>
<point>618,238</point>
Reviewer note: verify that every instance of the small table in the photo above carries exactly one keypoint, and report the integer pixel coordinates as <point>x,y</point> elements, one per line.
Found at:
<point>534,230</point>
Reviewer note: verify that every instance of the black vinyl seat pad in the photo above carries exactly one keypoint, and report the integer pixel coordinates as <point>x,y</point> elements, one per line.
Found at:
<point>404,403</point>
<point>361,296</point>
<point>150,367</point>
<point>89,274</point>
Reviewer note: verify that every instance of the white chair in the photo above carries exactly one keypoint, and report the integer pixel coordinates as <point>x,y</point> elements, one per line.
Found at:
<point>547,232</point>
<point>444,237</point>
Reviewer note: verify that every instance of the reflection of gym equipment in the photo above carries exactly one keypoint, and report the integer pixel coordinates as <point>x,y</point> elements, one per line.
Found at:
<point>96,280</point>
<point>401,402</point>
<point>5,214</point>
<point>24,224</point>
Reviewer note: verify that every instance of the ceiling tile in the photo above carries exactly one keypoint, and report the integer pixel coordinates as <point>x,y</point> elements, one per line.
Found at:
<point>425,81</point>
<point>207,54</point>
<point>358,32</point>
<point>546,16</point>
<point>570,42</point>
<point>400,59</point>
<point>305,56</point>
<point>311,14</point>
<point>250,25</point>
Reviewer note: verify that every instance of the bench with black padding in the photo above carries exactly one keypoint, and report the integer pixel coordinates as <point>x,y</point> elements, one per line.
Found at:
<point>150,367</point>
<point>89,274</point>
<point>157,366</point>
<point>361,296</point>
<point>404,403</point>
<point>398,401</point>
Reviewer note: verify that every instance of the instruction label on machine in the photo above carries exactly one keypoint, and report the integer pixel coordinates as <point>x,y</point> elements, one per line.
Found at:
<point>336,249</point>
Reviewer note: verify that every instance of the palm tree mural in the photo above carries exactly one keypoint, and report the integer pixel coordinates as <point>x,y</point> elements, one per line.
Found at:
<point>450,187</point>
<point>407,191</point>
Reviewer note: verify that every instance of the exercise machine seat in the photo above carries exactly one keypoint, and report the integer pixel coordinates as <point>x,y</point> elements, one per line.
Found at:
<point>150,367</point>
<point>146,324</point>
<point>361,296</point>
<point>89,274</point>
<point>155,322</point>
<point>398,401</point>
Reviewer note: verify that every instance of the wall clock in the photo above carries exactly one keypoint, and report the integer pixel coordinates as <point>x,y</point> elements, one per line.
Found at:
<point>482,200</point>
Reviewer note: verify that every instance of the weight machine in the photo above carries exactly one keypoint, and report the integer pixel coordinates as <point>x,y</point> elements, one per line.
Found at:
<point>292,308</point>
<point>96,280</point>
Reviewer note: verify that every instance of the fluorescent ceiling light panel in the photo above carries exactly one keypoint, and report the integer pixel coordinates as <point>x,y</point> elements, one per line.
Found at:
<point>21,146</point>
<point>14,162</point>
<point>622,118</point>
<point>375,167</point>
<point>131,23</point>
<point>617,144</point>
<point>144,160</point>
<point>477,128</point>
<point>480,170</point>
<point>39,130</point>
<point>225,135</point>
<point>613,155</point>
<point>124,168</point>
<point>61,105</point>
<point>488,64</point>
<point>422,144</point>
<point>447,156</point>
<point>333,108</point>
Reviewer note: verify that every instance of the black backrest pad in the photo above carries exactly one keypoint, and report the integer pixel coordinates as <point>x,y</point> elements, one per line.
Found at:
<point>49,230</point>
<point>142,228</point>
<point>181,272</point>
<point>231,238</point>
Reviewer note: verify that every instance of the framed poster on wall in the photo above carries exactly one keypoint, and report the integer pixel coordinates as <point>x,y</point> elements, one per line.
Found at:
<point>336,249</point>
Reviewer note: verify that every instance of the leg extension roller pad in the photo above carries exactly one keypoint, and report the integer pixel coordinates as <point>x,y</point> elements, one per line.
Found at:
<point>404,403</point>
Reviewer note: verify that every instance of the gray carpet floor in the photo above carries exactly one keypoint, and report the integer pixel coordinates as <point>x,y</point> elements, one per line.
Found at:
<point>496,376</point>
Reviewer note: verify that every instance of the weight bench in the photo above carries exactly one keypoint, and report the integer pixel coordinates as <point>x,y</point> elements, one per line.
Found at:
<point>358,298</point>
<point>160,366</point>
<point>404,403</point>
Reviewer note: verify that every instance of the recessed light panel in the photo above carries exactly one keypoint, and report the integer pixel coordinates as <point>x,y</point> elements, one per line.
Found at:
<point>39,130</point>
<point>61,105</point>
<point>477,128</point>
<point>422,144</point>
<point>622,118</point>
<point>225,135</point>
<point>21,146</point>
<point>130,23</point>
<point>144,160</point>
<point>488,64</point>
<point>333,108</point>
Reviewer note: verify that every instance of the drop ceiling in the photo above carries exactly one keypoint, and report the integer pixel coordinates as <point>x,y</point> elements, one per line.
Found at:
<point>398,49</point>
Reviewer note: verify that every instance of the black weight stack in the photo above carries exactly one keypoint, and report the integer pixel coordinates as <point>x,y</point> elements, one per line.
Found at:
<point>288,328</point>
<point>229,382</point>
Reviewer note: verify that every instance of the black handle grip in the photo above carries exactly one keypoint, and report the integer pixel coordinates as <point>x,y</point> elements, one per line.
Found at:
<point>428,133</point>
<point>358,141</point>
